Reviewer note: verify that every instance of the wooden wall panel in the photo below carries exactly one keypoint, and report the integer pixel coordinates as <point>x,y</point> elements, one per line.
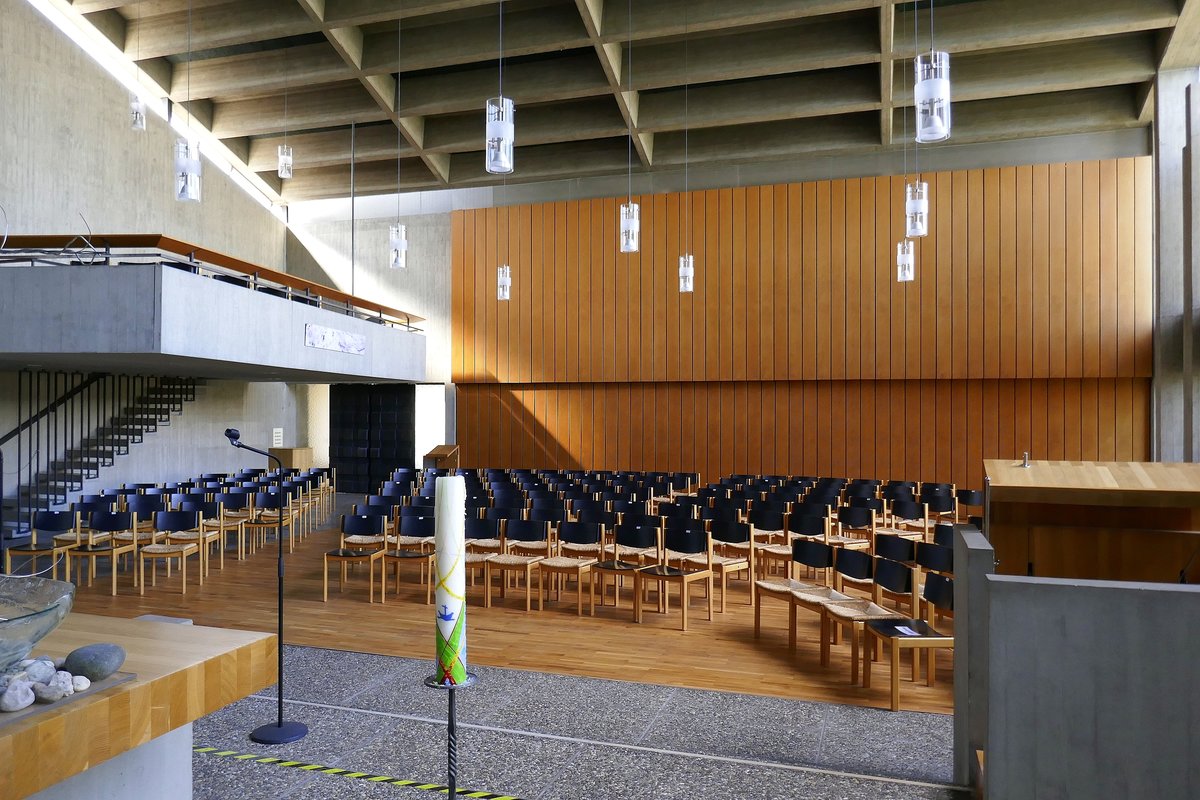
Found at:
<point>908,430</point>
<point>1029,327</point>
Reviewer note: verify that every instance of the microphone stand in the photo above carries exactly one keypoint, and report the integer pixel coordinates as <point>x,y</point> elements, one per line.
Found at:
<point>280,732</point>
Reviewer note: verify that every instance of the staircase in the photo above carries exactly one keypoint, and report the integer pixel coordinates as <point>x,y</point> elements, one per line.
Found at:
<point>73,426</point>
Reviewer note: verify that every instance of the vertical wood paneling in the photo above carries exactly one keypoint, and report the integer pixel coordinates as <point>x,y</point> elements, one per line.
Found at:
<point>1029,327</point>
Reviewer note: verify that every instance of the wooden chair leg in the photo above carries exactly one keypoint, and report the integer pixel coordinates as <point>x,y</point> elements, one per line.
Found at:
<point>325,579</point>
<point>683,603</point>
<point>895,704</point>
<point>709,581</point>
<point>183,569</point>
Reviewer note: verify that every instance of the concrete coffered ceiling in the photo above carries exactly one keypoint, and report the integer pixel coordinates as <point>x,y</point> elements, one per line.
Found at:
<point>765,79</point>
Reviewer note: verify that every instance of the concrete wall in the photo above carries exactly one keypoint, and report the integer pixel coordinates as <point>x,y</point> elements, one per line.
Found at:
<point>1093,690</point>
<point>422,289</point>
<point>68,150</point>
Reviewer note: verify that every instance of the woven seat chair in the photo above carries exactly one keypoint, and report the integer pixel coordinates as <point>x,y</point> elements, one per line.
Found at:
<point>691,541</point>
<point>51,524</point>
<point>579,545</point>
<point>420,530</point>
<point>520,537</point>
<point>110,524</point>
<point>368,530</point>
<point>731,555</point>
<point>166,523</point>
<point>634,546</point>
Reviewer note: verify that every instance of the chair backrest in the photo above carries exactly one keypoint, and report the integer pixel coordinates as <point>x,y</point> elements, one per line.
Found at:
<point>628,506</point>
<point>808,525</point>
<point>89,508</point>
<point>935,557</point>
<point>232,500</point>
<point>862,490</point>
<point>580,533</point>
<point>730,532</point>
<point>597,517</point>
<point>894,493</point>
<point>414,511</point>
<point>723,511</point>
<point>939,503</point>
<point>269,501</point>
<point>363,524</point>
<point>872,503</point>
<point>508,501</point>
<point>895,548</point>
<point>812,553</point>
<point>939,590</point>
<point>548,502</point>
<point>482,528</point>
<point>503,512</point>
<point>854,564</point>
<point>766,519</point>
<point>893,576</point>
<point>969,497</point>
<point>673,510</point>
<point>112,521</point>
<point>208,510</point>
<point>943,534</point>
<point>418,526</point>
<point>189,496</point>
<point>639,536</point>
<point>908,511</point>
<point>554,515</point>
<point>176,520</point>
<point>139,486</point>
<point>144,505</point>
<point>526,530</point>
<point>855,518</point>
<point>54,521</point>
<point>686,540</point>
<point>807,509</point>
<point>429,501</point>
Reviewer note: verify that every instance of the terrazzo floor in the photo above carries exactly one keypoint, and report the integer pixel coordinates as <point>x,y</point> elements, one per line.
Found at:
<point>539,736</point>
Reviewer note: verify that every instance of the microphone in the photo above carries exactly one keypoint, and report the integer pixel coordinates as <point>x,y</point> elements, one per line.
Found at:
<point>233,434</point>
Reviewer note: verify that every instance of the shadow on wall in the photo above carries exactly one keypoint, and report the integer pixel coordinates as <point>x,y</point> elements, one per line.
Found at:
<point>302,263</point>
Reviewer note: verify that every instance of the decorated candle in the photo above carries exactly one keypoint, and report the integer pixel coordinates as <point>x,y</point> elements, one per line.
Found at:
<point>450,522</point>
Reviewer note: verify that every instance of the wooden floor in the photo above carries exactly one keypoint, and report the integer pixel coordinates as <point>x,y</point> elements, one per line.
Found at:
<point>722,654</point>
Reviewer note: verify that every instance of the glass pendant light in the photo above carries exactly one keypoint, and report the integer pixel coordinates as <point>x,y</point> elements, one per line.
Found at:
<point>687,273</point>
<point>187,170</point>
<point>398,243</point>
<point>501,133</point>
<point>905,261</point>
<point>932,96</point>
<point>137,113</point>
<point>503,282</point>
<point>631,227</point>
<point>916,209</point>
<point>284,165</point>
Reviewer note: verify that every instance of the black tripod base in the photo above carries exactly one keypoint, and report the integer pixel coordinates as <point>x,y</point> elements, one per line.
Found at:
<point>279,734</point>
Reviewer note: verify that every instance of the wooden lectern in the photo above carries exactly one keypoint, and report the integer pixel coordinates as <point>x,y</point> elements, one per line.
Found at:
<point>444,455</point>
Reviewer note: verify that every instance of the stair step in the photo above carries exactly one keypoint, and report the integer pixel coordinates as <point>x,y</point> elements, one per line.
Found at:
<point>123,431</point>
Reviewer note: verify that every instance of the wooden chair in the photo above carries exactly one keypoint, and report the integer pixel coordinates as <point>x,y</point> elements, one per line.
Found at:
<point>732,554</point>
<point>166,523</point>
<point>211,531</point>
<point>690,541</point>
<point>909,519</point>
<point>106,525</point>
<point>521,536</point>
<point>419,530</point>
<point>853,616</point>
<point>912,634</point>
<point>271,511</point>
<point>633,547</point>
<point>852,520</point>
<point>367,533</point>
<point>49,524</point>
<point>579,548</point>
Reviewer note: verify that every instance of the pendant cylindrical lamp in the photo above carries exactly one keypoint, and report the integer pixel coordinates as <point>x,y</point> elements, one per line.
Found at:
<point>905,261</point>
<point>687,273</point>
<point>398,243</point>
<point>187,170</point>
<point>449,517</point>
<point>500,136</point>
<point>284,165</point>
<point>137,113</point>
<point>916,209</point>
<point>503,282</point>
<point>631,227</point>
<point>932,96</point>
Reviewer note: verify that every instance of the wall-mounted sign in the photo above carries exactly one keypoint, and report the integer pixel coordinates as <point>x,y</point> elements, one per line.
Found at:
<point>323,338</point>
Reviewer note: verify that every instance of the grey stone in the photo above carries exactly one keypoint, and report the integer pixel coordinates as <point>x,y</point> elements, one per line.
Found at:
<point>63,681</point>
<point>80,683</point>
<point>95,661</point>
<point>18,695</point>
<point>40,671</point>
<point>45,693</point>
<point>58,662</point>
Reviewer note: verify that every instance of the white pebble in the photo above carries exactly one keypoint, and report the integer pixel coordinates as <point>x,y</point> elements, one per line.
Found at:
<point>79,683</point>
<point>63,680</point>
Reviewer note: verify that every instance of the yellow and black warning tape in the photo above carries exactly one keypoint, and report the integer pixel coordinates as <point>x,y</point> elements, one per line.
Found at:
<point>348,773</point>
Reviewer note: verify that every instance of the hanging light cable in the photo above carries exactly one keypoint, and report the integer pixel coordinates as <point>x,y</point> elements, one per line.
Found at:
<point>631,213</point>
<point>187,149</point>
<point>916,193</point>
<point>687,264</point>
<point>283,165</point>
<point>398,231</point>
<point>137,108</point>
<point>931,90</point>
<point>905,260</point>
<point>498,156</point>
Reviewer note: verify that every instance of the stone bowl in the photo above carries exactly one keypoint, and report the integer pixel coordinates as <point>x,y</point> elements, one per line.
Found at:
<point>30,607</point>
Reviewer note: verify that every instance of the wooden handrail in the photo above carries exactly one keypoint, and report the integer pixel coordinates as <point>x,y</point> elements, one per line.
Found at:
<point>190,251</point>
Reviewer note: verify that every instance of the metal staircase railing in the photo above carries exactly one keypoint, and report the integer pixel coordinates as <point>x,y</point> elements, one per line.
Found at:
<point>72,425</point>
